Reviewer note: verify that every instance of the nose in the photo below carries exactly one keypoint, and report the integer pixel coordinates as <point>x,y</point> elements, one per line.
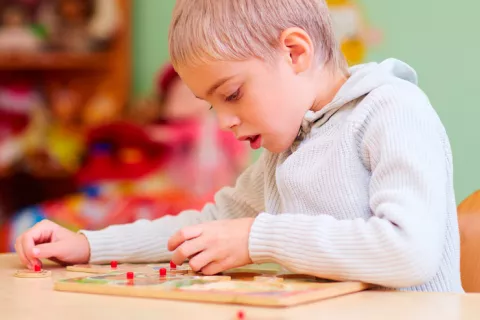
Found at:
<point>227,121</point>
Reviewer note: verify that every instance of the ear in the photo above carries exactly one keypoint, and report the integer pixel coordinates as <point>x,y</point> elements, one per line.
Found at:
<point>298,48</point>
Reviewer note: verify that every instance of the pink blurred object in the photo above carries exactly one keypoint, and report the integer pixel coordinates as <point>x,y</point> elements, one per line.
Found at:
<point>203,157</point>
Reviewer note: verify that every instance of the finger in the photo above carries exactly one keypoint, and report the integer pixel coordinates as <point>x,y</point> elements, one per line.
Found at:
<point>52,250</point>
<point>183,235</point>
<point>188,249</point>
<point>41,232</point>
<point>216,267</point>
<point>202,259</point>
<point>26,244</point>
<point>21,254</point>
<point>59,262</point>
<point>27,248</point>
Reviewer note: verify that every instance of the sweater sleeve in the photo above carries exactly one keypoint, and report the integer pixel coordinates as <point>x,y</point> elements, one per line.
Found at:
<point>401,245</point>
<point>146,240</point>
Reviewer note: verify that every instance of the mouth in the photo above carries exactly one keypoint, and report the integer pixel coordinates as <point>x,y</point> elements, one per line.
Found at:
<point>255,141</point>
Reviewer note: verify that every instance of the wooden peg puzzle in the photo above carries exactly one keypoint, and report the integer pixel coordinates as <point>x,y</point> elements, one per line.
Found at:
<point>259,285</point>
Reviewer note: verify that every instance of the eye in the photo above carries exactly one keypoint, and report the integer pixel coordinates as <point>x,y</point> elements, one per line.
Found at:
<point>234,96</point>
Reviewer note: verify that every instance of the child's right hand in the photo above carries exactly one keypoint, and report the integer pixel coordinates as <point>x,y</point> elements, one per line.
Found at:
<point>47,240</point>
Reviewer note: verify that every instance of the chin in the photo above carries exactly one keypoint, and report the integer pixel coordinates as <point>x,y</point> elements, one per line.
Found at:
<point>281,146</point>
<point>278,148</point>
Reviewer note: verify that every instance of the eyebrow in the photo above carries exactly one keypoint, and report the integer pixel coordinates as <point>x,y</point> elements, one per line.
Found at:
<point>217,85</point>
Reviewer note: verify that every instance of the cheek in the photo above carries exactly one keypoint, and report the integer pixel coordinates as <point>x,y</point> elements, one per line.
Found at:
<point>282,108</point>
<point>270,114</point>
<point>272,105</point>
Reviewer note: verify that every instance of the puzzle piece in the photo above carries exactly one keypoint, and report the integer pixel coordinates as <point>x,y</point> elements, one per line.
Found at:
<point>100,269</point>
<point>171,268</point>
<point>265,268</point>
<point>27,273</point>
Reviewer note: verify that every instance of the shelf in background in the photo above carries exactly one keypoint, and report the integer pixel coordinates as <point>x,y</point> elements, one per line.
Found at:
<point>53,61</point>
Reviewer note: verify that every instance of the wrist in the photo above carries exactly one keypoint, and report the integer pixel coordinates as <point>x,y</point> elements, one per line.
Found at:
<point>86,257</point>
<point>260,247</point>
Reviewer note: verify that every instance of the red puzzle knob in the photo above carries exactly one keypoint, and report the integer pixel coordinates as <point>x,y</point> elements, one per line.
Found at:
<point>114,264</point>
<point>172,265</point>
<point>130,275</point>
<point>163,272</point>
<point>37,268</point>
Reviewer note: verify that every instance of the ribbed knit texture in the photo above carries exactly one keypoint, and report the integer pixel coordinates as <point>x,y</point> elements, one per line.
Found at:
<point>365,194</point>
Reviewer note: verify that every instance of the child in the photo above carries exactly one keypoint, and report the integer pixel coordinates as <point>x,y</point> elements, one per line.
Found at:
<point>356,180</point>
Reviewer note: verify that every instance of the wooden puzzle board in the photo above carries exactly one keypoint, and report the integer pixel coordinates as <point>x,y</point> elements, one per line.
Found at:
<point>259,285</point>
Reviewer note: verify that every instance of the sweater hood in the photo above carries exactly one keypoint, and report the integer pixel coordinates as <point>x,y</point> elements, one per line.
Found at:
<point>363,79</point>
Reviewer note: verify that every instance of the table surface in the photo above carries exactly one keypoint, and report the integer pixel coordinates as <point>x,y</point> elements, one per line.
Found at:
<point>35,299</point>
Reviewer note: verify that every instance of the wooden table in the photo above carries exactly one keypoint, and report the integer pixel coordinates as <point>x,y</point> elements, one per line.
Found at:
<point>35,299</point>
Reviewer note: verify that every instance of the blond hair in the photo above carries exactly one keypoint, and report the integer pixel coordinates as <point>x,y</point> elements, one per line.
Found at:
<point>206,30</point>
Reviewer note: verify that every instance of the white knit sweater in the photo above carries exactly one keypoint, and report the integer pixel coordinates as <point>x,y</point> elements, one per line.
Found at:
<point>365,194</point>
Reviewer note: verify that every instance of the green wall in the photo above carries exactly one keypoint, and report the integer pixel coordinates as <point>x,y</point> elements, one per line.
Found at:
<point>436,37</point>
<point>440,40</point>
<point>150,35</point>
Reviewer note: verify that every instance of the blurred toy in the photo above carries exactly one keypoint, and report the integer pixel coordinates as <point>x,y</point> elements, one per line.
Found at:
<point>19,102</point>
<point>80,25</point>
<point>66,105</point>
<point>146,110</point>
<point>29,7</point>
<point>102,107</point>
<point>72,32</point>
<point>10,153</point>
<point>56,145</point>
<point>353,33</point>
<point>65,135</point>
<point>106,21</point>
<point>15,33</point>
<point>119,151</point>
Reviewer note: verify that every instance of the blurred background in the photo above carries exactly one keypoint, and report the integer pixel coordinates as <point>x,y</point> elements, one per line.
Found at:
<point>97,129</point>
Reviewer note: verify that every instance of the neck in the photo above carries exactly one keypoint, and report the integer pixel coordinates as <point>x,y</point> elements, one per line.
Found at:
<point>329,83</point>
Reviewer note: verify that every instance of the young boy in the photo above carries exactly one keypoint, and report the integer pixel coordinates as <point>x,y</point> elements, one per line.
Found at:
<point>356,180</point>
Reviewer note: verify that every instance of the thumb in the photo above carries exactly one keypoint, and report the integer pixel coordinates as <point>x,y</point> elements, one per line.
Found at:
<point>50,250</point>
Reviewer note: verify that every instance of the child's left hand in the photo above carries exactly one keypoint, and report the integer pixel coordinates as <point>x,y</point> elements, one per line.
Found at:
<point>213,247</point>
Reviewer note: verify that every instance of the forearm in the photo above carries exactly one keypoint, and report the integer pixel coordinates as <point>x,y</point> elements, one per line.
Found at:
<point>141,241</point>
<point>373,251</point>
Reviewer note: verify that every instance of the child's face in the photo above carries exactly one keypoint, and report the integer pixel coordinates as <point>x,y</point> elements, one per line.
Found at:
<point>260,102</point>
